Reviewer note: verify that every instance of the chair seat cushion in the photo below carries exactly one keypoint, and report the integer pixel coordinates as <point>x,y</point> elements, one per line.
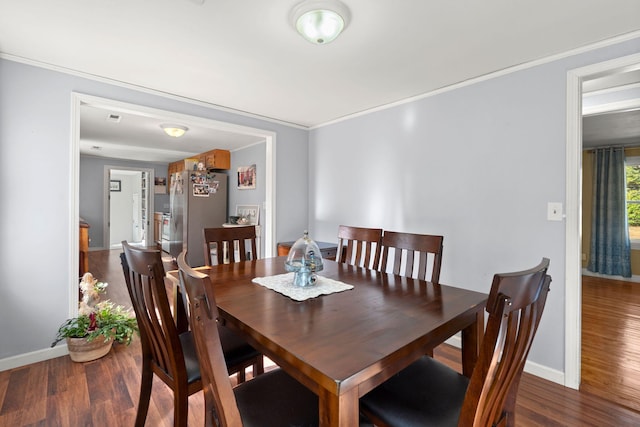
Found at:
<point>275,399</point>
<point>190,356</point>
<point>236,350</point>
<point>426,394</point>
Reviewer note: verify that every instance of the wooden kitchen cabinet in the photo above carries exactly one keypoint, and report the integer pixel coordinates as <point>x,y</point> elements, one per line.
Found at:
<point>213,159</point>
<point>180,165</point>
<point>84,247</point>
<point>157,228</point>
<point>175,167</point>
<point>217,159</point>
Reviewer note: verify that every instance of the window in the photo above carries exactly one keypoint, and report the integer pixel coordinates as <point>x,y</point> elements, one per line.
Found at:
<point>632,171</point>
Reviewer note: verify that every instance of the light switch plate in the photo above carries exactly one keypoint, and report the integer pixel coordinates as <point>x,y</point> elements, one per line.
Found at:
<point>554,211</point>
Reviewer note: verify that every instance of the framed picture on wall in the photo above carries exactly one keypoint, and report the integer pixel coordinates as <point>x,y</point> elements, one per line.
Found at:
<point>160,185</point>
<point>115,185</point>
<point>247,177</point>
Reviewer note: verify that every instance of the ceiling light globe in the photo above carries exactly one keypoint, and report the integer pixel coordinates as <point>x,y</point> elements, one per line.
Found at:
<point>175,131</point>
<point>320,21</point>
<point>320,26</point>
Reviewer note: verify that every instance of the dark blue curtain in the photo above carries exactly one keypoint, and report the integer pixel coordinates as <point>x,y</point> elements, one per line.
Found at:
<point>610,244</point>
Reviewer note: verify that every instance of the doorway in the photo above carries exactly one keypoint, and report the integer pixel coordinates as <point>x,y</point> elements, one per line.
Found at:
<point>573,250</point>
<point>79,100</point>
<point>129,203</point>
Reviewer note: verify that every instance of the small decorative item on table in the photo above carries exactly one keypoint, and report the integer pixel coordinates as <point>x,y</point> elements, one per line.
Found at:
<point>305,261</point>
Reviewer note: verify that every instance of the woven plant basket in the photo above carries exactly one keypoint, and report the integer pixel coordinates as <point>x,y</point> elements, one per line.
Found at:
<point>81,350</point>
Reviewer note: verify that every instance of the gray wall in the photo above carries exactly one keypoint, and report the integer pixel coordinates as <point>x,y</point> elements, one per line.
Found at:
<point>36,159</point>
<point>477,164</point>
<point>253,155</point>
<point>91,201</point>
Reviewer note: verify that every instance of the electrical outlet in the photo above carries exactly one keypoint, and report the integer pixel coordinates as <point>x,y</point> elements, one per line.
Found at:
<point>554,211</point>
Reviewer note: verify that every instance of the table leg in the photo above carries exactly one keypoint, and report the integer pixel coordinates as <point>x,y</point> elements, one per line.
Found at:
<point>338,411</point>
<point>471,340</point>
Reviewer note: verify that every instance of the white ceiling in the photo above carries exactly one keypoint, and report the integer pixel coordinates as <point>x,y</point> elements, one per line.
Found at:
<point>612,123</point>
<point>616,128</point>
<point>140,137</point>
<point>246,56</point>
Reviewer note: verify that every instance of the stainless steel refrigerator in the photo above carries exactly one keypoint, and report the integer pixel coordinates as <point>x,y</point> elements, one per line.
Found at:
<point>198,199</point>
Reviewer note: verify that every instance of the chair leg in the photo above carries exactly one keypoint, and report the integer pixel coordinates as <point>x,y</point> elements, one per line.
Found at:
<point>210,419</point>
<point>145,394</point>
<point>241,376</point>
<point>210,416</point>
<point>180,407</point>
<point>258,367</point>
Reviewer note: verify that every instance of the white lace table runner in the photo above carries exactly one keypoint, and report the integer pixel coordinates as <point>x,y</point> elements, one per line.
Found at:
<point>283,283</point>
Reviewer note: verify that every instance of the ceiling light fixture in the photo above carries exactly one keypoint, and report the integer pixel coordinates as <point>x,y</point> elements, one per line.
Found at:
<point>320,21</point>
<point>175,131</point>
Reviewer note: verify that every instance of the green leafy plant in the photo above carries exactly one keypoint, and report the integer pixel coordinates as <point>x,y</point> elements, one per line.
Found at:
<point>107,320</point>
<point>98,318</point>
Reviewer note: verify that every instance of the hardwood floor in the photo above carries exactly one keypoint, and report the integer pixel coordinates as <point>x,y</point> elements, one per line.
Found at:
<point>59,392</point>
<point>611,340</point>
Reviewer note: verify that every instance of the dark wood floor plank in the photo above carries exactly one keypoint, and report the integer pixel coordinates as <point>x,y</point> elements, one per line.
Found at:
<point>16,391</point>
<point>36,395</point>
<point>4,384</point>
<point>611,340</point>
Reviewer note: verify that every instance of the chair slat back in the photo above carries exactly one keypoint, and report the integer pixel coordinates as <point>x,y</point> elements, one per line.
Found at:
<point>225,240</point>
<point>359,246</point>
<point>220,400</point>
<point>412,255</point>
<point>144,276</point>
<point>515,305</point>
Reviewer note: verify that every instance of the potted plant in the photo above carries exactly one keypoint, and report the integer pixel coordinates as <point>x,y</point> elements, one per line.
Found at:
<point>91,335</point>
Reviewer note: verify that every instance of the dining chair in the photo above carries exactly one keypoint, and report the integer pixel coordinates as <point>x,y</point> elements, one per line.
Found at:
<point>359,246</point>
<point>429,393</point>
<point>238,353</point>
<point>168,350</point>
<point>225,239</point>
<point>273,399</point>
<point>410,255</point>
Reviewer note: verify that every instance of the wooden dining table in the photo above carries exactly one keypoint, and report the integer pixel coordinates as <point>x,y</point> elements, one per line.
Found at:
<point>344,344</point>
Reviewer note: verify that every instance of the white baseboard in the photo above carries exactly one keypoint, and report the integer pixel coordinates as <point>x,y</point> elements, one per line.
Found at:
<point>586,272</point>
<point>532,368</point>
<point>33,357</point>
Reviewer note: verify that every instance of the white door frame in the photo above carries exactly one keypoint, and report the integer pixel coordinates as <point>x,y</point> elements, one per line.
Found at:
<point>107,203</point>
<point>77,99</point>
<point>573,236</point>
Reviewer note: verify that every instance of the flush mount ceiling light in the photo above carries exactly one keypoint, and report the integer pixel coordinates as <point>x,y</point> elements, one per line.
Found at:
<point>175,131</point>
<point>320,21</point>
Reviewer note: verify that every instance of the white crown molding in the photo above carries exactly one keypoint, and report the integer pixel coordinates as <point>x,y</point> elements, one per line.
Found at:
<point>619,106</point>
<point>147,90</point>
<point>604,43</point>
<point>610,90</point>
<point>489,76</point>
